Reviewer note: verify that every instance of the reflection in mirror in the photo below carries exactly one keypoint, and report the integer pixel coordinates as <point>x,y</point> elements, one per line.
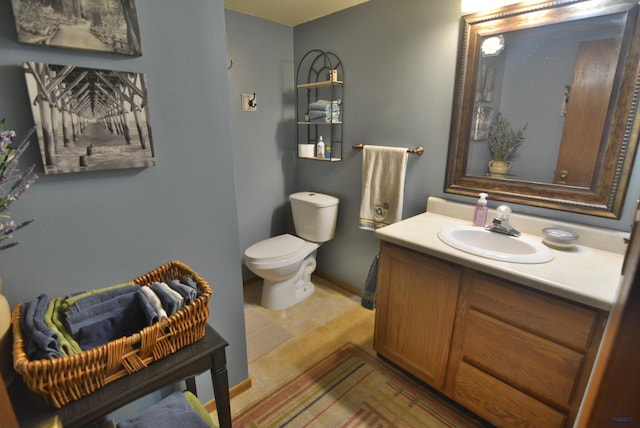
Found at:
<point>531,75</point>
<point>566,73</point>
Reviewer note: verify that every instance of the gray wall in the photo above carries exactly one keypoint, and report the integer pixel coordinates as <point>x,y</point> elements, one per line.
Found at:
<point>96,229</point>
<point>260,54</point>
<point>399,66</point>
<point>399,60</point>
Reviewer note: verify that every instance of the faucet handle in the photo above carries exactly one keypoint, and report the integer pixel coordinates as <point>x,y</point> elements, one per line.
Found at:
<point>503,212</point>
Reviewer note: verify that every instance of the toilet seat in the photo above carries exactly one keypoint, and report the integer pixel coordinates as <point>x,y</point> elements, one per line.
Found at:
<point>279,251</point>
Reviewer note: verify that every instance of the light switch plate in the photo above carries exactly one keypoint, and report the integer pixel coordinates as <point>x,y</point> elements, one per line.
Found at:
<point>249,102</point>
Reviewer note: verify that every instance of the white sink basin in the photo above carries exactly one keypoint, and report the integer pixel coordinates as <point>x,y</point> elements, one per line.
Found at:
<point>496,246</point>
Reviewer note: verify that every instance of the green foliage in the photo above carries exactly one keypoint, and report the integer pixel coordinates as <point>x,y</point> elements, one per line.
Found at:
<point>504,142</point>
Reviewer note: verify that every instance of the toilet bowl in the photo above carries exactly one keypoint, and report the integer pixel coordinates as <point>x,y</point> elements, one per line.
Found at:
<point>286,262</point>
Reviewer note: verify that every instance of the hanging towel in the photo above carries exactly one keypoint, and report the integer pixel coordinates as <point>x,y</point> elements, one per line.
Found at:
<point>368,299</point>
<point>383,173</point>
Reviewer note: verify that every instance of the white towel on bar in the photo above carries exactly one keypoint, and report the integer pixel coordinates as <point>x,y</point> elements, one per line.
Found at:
<point>383,173</point>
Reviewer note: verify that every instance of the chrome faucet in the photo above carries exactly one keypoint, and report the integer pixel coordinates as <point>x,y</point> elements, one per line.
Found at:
<point>500,224</point>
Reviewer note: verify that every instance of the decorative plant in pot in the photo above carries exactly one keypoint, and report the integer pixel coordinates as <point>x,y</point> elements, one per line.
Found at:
<point>504,142</point>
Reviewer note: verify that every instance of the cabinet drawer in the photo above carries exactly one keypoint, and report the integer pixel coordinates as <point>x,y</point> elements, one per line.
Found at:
<point>566,323</point>
<point>505,406</point>
<point>500,350</point>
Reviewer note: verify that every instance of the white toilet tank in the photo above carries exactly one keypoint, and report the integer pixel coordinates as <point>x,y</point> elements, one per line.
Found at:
<point>314,215</point>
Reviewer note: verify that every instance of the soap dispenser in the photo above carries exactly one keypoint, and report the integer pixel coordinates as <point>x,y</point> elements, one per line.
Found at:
<point>320,148</point>
<point>480,213</point>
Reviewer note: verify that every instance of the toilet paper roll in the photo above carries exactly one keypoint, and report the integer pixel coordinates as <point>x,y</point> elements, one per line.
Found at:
<point>306,150</point>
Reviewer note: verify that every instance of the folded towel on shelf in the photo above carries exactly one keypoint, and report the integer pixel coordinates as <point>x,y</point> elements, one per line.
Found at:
<point>173,293</point>
<point>324,104</point>
<point>103,309</point>
<point>54,317</point>
<point>319,114</point>
<point>156,304</point>
<point>92,299</point>
<point>187,280</point>
<point>324,120</point>
<point>118,317</point>
<point>70,299</point>
<point>172,411</point>
<point>320,117</point>
<point>151,315</point>
<point>199,408</point>
<point>368,299</point>
<point>171,300</point>
<point>383,175</point>
<point>188,293</point>
<point>40,341</point>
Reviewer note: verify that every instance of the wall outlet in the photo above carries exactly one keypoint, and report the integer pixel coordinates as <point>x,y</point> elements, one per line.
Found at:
<point>249,102</point>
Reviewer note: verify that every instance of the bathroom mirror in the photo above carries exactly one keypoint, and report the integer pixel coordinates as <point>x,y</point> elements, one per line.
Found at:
<point>564,72</point>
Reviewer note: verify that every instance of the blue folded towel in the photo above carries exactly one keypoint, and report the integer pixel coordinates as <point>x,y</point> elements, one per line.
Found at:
<point>71,298</point>
<point>324,104</point>
<point>149,310</point>
<point>187,280</point>
<point>74,320</point>
<point>99,297</point>
<point>318,114</point>
<point>323,120</point>
<point>172,411</point>
<point>188,293</point>
<point>40,341</point>
<point>171,300</point>
<point>119,317</point>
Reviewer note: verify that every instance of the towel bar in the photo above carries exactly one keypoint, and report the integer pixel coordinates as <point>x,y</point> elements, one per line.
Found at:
<point>417,151</point>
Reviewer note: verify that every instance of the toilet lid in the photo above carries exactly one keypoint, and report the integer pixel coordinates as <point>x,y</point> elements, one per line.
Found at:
<point>274,248</point>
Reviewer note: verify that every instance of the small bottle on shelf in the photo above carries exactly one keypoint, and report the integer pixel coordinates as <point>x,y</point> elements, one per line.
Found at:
<point>320,148</point>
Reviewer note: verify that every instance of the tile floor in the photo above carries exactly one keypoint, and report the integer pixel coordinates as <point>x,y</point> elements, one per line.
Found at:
<point>319,325</point>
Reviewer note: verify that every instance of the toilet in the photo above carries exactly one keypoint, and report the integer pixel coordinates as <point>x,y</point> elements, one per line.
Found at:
<point>286,262</point>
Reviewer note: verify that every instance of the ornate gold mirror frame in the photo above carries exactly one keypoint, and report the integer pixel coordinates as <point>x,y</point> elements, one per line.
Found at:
<point>604,191</point>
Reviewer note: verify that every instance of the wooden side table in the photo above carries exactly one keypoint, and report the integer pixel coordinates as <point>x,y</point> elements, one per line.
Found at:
<point>207,353</point>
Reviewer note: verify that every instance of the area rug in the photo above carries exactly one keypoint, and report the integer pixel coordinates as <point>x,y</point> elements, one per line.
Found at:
<point>263,334</point>
<point>350,388</point>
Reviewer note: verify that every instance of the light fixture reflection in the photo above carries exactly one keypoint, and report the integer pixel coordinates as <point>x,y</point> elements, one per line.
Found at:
<point>492,46</point>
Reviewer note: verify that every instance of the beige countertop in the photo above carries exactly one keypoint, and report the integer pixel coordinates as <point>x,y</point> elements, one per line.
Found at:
<point>583,274</point>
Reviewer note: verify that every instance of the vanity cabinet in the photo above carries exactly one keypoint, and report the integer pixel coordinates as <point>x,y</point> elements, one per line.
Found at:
<point>513,355</point>
<point>415,309</point>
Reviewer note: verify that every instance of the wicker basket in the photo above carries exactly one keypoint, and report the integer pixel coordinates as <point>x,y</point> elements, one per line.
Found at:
<point>65,379</point>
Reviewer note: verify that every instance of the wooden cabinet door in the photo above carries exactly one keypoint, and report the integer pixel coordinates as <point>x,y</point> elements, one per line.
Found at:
<point>415,309</point>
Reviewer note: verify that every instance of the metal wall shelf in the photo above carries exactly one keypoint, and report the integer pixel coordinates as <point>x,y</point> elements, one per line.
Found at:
<point>317,79</point>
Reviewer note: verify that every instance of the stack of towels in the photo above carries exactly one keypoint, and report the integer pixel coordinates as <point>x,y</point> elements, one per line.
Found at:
<point>68,325</point>
<point>324,111</point>
<point>178,409</point>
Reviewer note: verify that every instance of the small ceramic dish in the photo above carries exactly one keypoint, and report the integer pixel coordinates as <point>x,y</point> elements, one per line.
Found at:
<point>559,238</point>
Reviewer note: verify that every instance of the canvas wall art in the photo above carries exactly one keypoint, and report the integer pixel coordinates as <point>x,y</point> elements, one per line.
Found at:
<point>89,119</point>
<point>95,25</point>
